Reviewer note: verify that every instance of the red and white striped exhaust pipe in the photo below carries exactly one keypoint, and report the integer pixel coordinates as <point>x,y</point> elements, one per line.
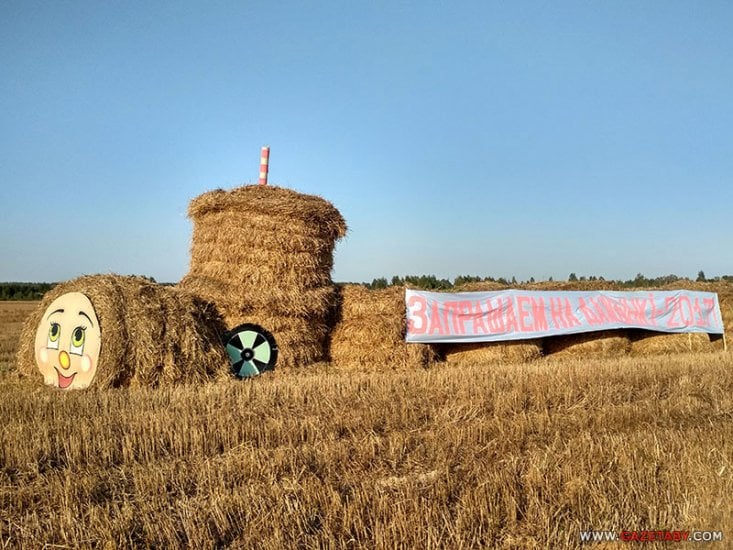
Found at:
<point>264,165</point>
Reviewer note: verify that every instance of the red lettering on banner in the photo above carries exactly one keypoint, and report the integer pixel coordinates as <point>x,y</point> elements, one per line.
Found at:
<point>556,313</point>
<point>624,311</point>
<point>570,317</point>
<point>449,317</point>
<point>640,307</point>
<point>653,310</point>
<point>465,313</point>
<point>515,313</point>
<point>619,309</point>
<point>419,313</point>
<point>670,305</point>
<point>435,320</point>
<point>608,309</point>
<point>600,312</point>
<point>496,319</point>
<point>709,305</point>
<point>699,318</point>
<point>587,313</point>
<point>478,319</point>
<point>524,313</point>
<point>511,318</point>
<point>688,320</point>
<point>538,312</point>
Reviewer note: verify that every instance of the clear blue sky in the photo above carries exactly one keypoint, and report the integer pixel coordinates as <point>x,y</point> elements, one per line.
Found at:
<point>491,138</point>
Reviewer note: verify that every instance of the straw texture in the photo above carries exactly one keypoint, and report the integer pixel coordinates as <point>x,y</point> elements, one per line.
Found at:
<point>151,334</point>
<point>263,254</point>
<point>522,351</point>
<point>601,344</point>
<point>369,330</point>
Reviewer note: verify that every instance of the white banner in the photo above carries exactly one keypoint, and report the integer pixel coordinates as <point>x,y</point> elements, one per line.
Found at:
<point>523,314</point>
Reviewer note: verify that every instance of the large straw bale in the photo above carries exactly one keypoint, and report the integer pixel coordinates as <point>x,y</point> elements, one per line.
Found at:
<point>357,301</point>
<point>263,255</point>
<point>268,207</point>
<point>248,278</point>
<point>645,343</point>
<point>482,353</point>
<point>312,302</point>
<point>604,343</point>
<point>369,330</point>
<point>294,236</point>
<point>151,334</point>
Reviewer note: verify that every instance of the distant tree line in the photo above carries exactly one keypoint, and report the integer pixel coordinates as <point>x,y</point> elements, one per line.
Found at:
<point>431,282</point>
<point>24,291</point>
<point>35,291</point>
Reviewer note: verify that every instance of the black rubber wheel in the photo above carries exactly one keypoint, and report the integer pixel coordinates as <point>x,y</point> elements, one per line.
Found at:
<point>252,350</point>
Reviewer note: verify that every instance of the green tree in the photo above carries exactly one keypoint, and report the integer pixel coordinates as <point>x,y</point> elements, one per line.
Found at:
<point>378,283</point>
<point>701,276</point>
<point>572,277</point>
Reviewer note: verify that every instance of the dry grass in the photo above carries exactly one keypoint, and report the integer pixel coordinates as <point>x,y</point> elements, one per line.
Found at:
<point>12,316</point>
<point>512,456</point>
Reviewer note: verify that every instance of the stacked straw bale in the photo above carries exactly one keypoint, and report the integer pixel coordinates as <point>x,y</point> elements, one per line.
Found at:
<point>604,343</point>
<point>369,330</point>
<point>520,351</point>
<point>151,334</point>
<point>657,343</point>
<point>263,254</point>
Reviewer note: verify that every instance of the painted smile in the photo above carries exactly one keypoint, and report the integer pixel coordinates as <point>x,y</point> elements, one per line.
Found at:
<point>64,381</point>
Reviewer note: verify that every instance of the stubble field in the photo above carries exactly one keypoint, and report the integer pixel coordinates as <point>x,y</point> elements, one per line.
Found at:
<point>510,456</point>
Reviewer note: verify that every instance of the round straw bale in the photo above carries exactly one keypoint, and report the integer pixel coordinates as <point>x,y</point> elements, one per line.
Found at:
<point>262,253</point>
<point>252,278</point>
<point>520,351</point>
<point>292,302</point>
<point>269,207</point>
<point>289,236</point>
<point>605,343</point>
<point>280,262</point>
<point>149,334</point>
<point>646,343</point>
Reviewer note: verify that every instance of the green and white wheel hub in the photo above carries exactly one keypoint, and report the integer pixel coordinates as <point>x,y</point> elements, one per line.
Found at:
<point>252,350</point>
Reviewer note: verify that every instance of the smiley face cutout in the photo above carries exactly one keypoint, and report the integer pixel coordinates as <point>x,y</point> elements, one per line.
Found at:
<point>68,341</point>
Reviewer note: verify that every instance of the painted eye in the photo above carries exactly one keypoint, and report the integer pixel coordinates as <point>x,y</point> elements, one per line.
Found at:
<point>53,336</point>
<point>77,340</point>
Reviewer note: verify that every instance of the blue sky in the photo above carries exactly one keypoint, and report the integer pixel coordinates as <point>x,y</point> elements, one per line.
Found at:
<point>492,138</point>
